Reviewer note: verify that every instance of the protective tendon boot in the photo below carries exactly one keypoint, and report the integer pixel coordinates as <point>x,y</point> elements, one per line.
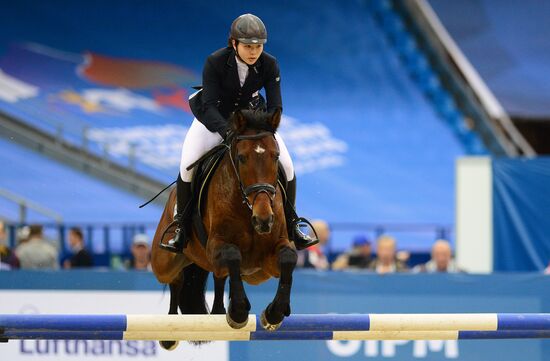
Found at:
<point>183,197</point>
<point>301,240</point>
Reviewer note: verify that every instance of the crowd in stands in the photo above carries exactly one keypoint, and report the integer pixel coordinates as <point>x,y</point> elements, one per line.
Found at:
<point>386,259</point>
<point>35,251</point>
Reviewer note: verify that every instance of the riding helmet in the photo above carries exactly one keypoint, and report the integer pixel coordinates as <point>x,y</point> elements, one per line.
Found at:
<point>248,29</point>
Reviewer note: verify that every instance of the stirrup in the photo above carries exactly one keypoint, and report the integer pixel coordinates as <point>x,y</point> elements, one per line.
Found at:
<point>173,245</point>
<point>302,240</point>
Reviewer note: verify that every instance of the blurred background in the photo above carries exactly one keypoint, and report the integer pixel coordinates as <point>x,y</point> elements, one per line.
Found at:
<point>380,101</point>
<point>409,122</point>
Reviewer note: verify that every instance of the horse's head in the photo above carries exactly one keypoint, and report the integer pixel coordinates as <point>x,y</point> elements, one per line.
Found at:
<point>255,156</point>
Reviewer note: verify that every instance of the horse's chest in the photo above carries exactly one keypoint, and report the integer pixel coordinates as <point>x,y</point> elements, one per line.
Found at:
<point>252,261</point>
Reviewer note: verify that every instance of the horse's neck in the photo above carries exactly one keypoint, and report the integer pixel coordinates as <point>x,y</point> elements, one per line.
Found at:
<point>230,188</point>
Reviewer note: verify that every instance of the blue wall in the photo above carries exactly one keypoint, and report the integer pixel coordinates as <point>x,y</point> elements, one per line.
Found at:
<point>362,137</point>
<point>318,292</point>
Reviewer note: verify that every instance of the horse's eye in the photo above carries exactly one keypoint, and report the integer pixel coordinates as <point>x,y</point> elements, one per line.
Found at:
<point>241,158</point>
<point>277,156</point>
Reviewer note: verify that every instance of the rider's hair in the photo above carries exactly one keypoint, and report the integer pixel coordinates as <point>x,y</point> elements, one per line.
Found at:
<point>230,42</point>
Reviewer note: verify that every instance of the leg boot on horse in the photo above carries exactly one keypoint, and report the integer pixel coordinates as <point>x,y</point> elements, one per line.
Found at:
<point>183,194</point>
<point>218,307</point>
<point>230,258</point>
<point>275,312</point>
<point>175,289</point>
<point>301,240</point>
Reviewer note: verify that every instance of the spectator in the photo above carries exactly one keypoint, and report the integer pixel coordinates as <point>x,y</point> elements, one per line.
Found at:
<point>386,260</point>
<point>141,253</point>
<point>37,253</point>
<point>8,259</point>
<point>442,259</point>
<point>314,256</point>
<point>22,235</point>
<point>359,257</point>
<point>81,258</point>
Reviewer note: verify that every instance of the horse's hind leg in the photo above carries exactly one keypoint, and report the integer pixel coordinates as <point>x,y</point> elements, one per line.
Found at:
<point>218,307</point>
<point>192,292</point>
<point>229,257</point>
<point>273,315</point>
<point>173,310</point>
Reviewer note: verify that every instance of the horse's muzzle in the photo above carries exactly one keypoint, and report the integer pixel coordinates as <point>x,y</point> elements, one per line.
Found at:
<point>262,225</point>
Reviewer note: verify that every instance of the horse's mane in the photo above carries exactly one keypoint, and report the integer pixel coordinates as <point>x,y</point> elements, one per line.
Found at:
<point>253,120</point>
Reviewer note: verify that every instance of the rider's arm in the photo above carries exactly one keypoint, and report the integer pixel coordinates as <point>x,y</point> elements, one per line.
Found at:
<point>211,97</point>
<point>272,87</point>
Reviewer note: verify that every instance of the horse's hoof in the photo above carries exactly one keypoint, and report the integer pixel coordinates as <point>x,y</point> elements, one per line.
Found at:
<point>169,345</point>
<point>268,326</point>
<point>234,324</point>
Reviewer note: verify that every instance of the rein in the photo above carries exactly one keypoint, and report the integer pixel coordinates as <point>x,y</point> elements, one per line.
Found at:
<point>257,188</point>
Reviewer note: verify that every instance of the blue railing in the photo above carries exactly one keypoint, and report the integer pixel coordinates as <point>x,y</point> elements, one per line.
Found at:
<point>109,242</point>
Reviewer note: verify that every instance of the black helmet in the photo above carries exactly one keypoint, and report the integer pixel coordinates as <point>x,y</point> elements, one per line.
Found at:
<point>249,29</point>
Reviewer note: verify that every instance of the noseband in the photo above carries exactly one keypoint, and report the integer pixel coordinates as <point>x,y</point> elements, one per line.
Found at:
<point>257,188</point>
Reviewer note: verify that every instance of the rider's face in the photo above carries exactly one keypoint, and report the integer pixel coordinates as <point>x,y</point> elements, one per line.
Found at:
<point>249,53</point>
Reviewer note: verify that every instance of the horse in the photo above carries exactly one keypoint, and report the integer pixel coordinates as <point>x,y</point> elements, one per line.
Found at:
<point>244,218</point>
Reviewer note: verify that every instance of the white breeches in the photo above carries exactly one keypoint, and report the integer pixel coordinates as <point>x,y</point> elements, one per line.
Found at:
<point>200,140</point>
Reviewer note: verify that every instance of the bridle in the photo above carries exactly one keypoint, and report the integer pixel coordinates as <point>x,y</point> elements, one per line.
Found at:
<point>257,188</point>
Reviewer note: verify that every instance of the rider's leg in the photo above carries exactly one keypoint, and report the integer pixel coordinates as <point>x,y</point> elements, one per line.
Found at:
<point>198,141</point>
<point>301,240</point>
<point>183,197</point>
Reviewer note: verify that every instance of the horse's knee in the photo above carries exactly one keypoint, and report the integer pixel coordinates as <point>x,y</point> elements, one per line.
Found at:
<point>229,255</point>
<point>288,257</point>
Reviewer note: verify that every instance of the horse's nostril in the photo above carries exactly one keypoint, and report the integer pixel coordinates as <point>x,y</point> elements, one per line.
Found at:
<point>262,225</point>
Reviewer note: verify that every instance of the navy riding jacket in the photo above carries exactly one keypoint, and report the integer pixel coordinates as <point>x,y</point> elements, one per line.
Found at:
<point>222,93</point>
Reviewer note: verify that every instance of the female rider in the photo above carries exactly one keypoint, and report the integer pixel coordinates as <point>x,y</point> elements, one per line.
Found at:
<point>232,78</point>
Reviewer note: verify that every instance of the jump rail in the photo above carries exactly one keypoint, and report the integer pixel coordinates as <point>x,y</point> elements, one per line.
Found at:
<point>295,327</point>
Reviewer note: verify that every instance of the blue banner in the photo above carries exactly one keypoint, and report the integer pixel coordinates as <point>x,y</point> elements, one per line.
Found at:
<point>521,210</point>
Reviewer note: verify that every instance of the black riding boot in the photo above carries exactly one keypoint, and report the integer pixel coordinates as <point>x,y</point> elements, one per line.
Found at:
<point>183,197</point>
<point>301,240</point>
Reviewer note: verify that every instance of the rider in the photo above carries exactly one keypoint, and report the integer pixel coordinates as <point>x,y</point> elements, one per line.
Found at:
<point>232,78</point>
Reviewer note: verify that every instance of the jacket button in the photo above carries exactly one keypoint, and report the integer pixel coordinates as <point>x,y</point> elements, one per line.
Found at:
<point>236,104</point>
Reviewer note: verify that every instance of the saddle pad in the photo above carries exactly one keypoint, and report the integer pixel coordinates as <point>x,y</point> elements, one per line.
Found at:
<point>206,168</point>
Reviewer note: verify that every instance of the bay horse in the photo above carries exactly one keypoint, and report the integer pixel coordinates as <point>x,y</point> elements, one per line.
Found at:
<point>244,218</point>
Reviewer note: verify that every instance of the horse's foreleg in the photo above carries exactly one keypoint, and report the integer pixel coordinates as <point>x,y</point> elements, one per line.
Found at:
<point>229,257</point>
<point>218,307</point>
<point>192,292</point>
<point>273,315</point>
<point>173,310</point>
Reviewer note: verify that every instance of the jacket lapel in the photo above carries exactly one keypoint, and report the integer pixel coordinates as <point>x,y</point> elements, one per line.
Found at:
<point>233,73</point>
<point>253,77</point>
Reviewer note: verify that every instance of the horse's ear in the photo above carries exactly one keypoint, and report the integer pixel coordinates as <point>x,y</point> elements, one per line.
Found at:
<point>239,122</point>
<point>275,119</point>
